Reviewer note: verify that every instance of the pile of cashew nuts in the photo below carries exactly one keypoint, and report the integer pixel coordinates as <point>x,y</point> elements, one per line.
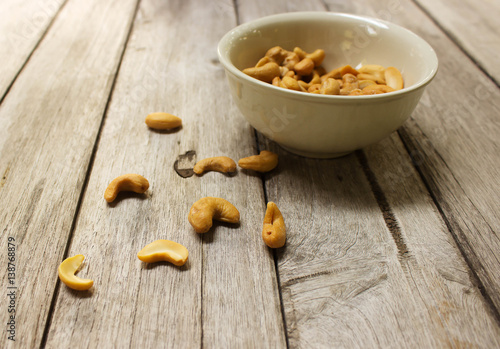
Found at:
<point>201,214</point>
<point>301,71</point>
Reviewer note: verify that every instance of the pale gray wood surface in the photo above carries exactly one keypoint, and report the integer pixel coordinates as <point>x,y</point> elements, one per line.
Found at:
<point>227,294</point>
<point>48,125</point>
<point>348,280</point>
<point>22,24</point>
<point>380,253</point>
<point>474,26</point>
<point>453,138</point>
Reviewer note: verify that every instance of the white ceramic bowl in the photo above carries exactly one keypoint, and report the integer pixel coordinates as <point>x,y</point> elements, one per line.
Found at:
<point>326,126</point>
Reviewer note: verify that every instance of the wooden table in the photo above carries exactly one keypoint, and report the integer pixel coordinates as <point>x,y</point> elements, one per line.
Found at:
<point>394,246</point>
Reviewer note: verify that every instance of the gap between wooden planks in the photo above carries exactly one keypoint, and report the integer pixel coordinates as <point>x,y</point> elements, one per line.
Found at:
<point>49,123</point>
<point>316,294</point>
<point>227,294</point>
<point>23,24</point>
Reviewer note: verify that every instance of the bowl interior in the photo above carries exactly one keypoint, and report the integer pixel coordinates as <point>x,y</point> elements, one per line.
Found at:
<point>346,39</point>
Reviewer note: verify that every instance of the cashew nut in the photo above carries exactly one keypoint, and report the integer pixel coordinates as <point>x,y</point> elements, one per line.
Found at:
<point>350,82</point>
<point>265,73</point>
<point>304,67</point>
<point>330,87</point>
<point>127,182</point>
<point>375,70</point>
<point>164,250</point>
<point>163,121</point>
<point>377,89</point>
<point>393,78</point>
<point>204,210</point>
<point>290,83</point>
<point>291,60</point>
<point>218,163</point>
<point>363,83</point>
<point>264,162</point>
<point>277,54</point>
<point>317,56</point>
<point>274,231</point>
<point>311,77</point>
<point>264,60</point>
<point>67,270</point>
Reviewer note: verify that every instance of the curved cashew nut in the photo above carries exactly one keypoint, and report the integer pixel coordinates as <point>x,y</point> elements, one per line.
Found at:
<point>164,250</point>
<point>204,210</point>
<point>218,163</point>
<point>67,270</point>
<point>274,231</point>
<point>264,162</point>
<point>304,67</point>
<point>265,73</point>
<point>127,182</point>
<point>163,121</point>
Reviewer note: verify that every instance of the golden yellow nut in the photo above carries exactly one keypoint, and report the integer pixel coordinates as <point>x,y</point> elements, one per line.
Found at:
<point>393,78</point>
<point>265,73</point>
<point>164,250</point>
<point>127,182</point>
<point>163,121</point>
<point>264,162</point>
<point>274,230</point>
<point>206,209</point>
<point>217,163</point>
<point>67,270</point>
<point>304,67</point>
<point>377,89</point>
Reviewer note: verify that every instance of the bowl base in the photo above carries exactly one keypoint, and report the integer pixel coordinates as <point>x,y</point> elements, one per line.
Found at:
<point>315,155</point>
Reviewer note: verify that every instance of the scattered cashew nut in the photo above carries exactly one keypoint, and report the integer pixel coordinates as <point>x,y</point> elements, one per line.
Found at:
<point>218,163</point>
<point>163,121</point>
<point>127,182</point>
<point>164,250</point>
<point>67,270</point>
<point>204,210</point>
<point>264,162</point>
<point>274,230</point>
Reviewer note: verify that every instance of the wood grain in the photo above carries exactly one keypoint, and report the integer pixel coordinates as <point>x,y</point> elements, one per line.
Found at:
<point>369,258</point>
<point>454,145</point>
<point>474,26</point>
<point>22,25</point>
<point>48,125</point>
<point>227,294</point>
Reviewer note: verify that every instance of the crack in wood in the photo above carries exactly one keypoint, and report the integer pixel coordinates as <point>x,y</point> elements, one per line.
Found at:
<point>389,217</point>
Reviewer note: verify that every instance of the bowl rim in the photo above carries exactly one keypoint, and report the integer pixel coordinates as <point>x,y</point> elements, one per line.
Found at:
<point>290,16</point>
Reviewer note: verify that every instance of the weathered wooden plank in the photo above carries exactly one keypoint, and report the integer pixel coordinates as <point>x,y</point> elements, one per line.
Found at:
<point>474,26</point>
<point>22,24</point>
<point>351,278</point>
<point>49,122</point>
<point>227,295</point>
<point>454,143</point>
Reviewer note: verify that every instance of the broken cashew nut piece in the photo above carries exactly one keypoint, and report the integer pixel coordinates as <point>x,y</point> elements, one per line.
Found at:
<point>264,162</point>
<point>206,209</point>
<point>218,163</point>
<point>274,231</point>
<point>67,270</point>
<point>163,121</point>
<point>164,251</point>
<point>127,182</point>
